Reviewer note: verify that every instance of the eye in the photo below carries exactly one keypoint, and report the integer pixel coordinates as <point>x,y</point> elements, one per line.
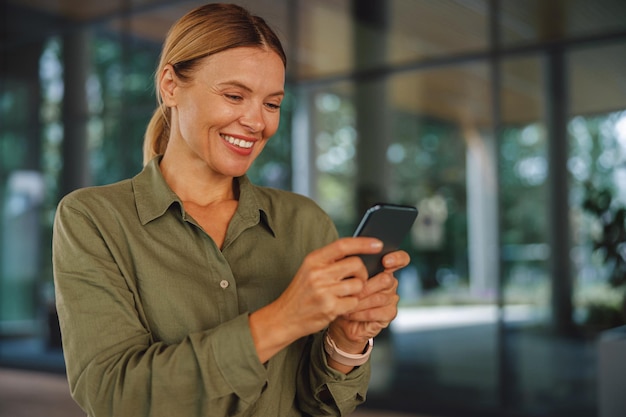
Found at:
<point>272,106</point>
<point>233,97</point>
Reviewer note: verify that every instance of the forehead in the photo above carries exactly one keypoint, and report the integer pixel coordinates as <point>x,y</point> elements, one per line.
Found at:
<point>254,65</point>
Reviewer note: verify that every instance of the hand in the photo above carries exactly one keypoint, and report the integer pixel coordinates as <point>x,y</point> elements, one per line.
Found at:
<point>377,307</point>
<point>329,283</point>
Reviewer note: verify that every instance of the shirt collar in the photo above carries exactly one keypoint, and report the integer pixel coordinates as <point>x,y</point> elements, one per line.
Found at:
<point>153,197</point>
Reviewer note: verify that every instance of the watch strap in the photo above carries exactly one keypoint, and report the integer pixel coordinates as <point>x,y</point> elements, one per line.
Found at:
<point>344,358</point>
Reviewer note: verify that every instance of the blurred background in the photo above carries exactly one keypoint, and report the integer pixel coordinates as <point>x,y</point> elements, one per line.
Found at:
<point>503,121</point>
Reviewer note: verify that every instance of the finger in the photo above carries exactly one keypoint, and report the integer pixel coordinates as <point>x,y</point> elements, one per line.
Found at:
<point>383,282</point>
<point>350,267</point>
<point>384,314</point>
<point>367,309</point>
<point>358,332</point>
<point>350,287</point>
<point>380,302</point>
<point>344,305</point>
<point>347,246</point>
<point>396,260</point>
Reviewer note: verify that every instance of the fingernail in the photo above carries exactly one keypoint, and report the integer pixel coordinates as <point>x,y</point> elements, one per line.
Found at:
<point>377,244</point>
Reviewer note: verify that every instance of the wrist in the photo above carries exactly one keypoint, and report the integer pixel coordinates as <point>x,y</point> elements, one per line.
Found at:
<point>268,334</point>
<point>344,358</point>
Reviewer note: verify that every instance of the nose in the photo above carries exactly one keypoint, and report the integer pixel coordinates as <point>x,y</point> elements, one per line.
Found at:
<point>253,118</point>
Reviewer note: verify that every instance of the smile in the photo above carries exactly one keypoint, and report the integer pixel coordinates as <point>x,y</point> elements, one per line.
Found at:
<point>238,142</point>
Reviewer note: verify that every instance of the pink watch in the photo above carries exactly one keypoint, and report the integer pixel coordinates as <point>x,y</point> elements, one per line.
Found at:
<point>344,358</point>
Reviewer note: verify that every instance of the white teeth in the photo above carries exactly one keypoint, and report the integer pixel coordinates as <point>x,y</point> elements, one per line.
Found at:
<point>238,142</point>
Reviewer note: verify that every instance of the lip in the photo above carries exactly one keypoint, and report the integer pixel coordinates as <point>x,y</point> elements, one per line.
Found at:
<point>238,144</point>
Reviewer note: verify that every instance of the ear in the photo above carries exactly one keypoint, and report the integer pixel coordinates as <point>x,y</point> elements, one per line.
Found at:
<point>167,85</point>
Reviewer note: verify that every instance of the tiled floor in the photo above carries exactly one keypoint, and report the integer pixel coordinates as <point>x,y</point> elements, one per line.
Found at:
<point>436,361</point>
<point>33,394</point>
<point>36,394</point>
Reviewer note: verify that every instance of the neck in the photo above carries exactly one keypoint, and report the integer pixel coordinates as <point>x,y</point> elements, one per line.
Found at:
<point>197,184</point>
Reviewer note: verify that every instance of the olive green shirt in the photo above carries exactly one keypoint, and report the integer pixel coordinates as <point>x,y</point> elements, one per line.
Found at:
<point>154,316</point>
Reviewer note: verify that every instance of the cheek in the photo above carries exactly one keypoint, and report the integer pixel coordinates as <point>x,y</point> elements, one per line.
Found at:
<point>271,125</point>
<point>188,117</point>
<point>196,121</point>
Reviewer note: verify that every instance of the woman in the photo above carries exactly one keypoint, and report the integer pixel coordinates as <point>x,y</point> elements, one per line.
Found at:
<point>188,291</point>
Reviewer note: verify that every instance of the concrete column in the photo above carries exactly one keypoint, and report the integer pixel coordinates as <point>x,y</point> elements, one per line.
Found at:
<point>482,212</point>
<point>558,186</point>
<point>302,154</point>
<point>371,101</point>
<point>75,173</point>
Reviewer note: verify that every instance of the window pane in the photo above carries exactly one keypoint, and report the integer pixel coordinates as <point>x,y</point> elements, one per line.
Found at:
<point>334,140</point>
<point>597,165</point>
<point>442,161</point>
<point>444,339</point>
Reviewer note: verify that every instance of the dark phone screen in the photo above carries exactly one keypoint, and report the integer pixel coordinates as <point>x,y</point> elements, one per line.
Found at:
<point>391,224</point>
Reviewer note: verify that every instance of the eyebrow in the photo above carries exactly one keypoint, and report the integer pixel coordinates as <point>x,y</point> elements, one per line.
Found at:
<point>248,89</point>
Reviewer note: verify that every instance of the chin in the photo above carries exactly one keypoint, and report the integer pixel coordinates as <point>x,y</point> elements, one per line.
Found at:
<point>236,171</point>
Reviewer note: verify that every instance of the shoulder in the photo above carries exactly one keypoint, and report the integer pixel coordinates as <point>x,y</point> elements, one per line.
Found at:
<point>99,199</point>
<point>281,202</point>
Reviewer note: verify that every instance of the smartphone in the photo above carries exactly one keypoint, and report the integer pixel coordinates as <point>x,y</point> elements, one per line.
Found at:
<point>391,224</point>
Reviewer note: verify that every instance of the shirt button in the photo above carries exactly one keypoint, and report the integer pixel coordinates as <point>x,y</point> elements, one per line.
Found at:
<point>224,283</point>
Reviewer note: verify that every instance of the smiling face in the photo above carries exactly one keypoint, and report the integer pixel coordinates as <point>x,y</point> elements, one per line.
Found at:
<point>222,118</point>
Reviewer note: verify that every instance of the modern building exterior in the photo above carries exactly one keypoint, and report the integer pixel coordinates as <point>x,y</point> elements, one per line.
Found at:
<point>504,121</point>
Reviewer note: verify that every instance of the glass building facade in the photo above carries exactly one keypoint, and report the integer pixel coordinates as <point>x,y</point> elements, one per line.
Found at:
<point>503,121</point>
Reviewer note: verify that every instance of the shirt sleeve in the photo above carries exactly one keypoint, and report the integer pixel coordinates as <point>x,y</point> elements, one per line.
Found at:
<point>330,392</point>
<point>322,390</point>
<point>114,366</point>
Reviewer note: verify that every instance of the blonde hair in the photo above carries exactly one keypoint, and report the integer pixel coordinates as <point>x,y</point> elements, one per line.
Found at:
<point>204,31</point>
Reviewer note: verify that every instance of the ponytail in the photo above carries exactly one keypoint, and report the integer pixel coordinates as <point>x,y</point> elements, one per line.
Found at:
<point>157,134</point>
